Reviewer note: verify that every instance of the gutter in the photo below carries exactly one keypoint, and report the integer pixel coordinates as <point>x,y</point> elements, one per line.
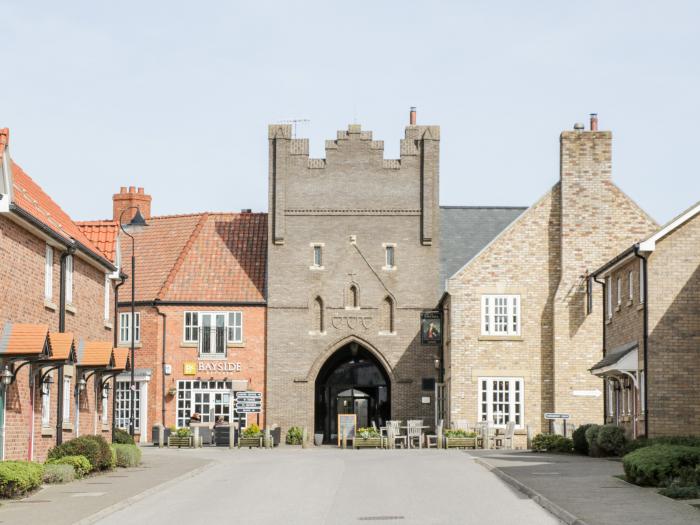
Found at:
<point>645,338</point>
<point>63,240</point>
<point>608,265</point>
<point>193,303</point>
<point>162,375</point>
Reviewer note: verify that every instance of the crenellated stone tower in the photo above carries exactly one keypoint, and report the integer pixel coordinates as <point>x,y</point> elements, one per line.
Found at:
<point>352,262</point>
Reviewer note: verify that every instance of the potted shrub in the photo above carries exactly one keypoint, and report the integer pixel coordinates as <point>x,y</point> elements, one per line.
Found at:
<point>295,436</point>
<point>367,438</point>
<point>181,437</point>
<point>455,438</point>
<point>251,437</point>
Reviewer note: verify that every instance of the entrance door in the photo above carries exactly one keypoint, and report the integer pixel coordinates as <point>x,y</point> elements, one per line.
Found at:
<point>213,338</point>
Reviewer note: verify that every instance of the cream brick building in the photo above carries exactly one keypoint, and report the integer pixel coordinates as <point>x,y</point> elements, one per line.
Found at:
<point>518,340</point>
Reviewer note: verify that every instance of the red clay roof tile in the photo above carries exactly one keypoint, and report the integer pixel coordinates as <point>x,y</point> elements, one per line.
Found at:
<point>24,339</point>
<point>102,234</point>
<point>95,354</point>
<point>62,346</point>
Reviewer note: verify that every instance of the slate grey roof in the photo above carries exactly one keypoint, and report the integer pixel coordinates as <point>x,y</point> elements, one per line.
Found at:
<point>615,355</point>
<point>466,230</point>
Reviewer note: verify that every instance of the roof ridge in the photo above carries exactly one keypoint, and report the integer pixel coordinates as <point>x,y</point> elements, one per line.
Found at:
<point>100,222</point>
<point>484,207</point>
<point>181,258</point>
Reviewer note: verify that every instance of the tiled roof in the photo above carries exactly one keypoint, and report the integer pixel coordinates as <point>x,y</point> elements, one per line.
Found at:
<point>62,346</point>
<point>94,353</point>
<point>28,195</point>
<point>465,231</point>
<point>24,339</point>
<point>121,358</point>
<point>102,234</point>
<point>200,257</point>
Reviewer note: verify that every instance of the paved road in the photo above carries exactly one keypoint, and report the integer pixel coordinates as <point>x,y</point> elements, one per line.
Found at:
<point>331,486</point>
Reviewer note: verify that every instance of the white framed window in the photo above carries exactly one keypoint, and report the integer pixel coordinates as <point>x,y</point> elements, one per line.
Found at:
<point>105,406</point>
<point>48,273</point>
<point>67,398</point>
<point>501,400</point>
<point>317,256</point>
<point>389,256</point>
<point>125,327</point>
<point>45,405</point>
<point>500,314</point>
<point>642,290</point>
<point>69,279</point>
<point>608,297</point>
<point>210,399</point>
<point>191,327</point>
<point>611,391</point>
<point>235,327</point>
<point>108,287</point>
<point>619,291</point>
<point>122,405</point>
<point>630,286</point>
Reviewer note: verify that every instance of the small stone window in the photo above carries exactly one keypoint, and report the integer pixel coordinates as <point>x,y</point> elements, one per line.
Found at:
<point>387,316</point>
<point>318,325</point>
<point>352,297</point>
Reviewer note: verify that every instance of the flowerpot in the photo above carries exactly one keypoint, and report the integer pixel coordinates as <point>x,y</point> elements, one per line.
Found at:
<point>460,442</point>
<point>250,441</point>
<point>318,439</point>
<point>371,442</point>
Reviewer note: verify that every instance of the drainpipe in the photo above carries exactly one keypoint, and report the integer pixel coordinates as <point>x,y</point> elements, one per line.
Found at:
<point>162,365</point>
<point>61,328</point>
<point>606,383</point>
<point>122,279</point>
<point>645,338</point>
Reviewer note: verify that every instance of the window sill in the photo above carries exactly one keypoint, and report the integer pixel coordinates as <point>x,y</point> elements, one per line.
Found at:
<point>105,428</point>
<point>186,344</point>
<point>128,345</point>
<point>68,427</point>
<point>317,268</point>
<point>49,305</point>
<point>500,338</point>
<point>389,268</point>
<point>47,432</point>
<point>211,357</point>
<point>240,344</point>
<point>108,325</point>
<point>640,306</point>
<point>72,309</point>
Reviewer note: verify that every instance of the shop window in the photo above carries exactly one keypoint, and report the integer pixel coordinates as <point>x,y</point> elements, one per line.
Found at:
<point>500,315</point>
<point>501,400</point>
<point>122,407</point>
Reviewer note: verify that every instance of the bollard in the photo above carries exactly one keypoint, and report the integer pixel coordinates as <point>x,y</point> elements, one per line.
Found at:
<point>161,436</point>
<point>195,438</point>
<point>529,437</point>
<point>391,442</point>
<point>231,436</point>
<point>267,443</point>
<point>304,438</point>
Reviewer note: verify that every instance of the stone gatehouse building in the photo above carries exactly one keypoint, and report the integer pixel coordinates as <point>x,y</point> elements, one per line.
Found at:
<point>353,261</point>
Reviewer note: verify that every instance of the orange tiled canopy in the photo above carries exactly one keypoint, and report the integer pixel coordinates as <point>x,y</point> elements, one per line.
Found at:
<point>25,340</point>
<point>95,354</point>
<point>121,359</point>
<point>62,346</point>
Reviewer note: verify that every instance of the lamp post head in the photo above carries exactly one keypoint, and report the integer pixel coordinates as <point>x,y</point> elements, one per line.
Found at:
<point>137,222</point>
<point>81,384</point>
<point>6,377</point>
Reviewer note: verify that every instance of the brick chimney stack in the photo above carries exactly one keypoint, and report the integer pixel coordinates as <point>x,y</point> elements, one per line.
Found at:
<point>594,121</point>
<point>131,197</point>
<point>412,116</point>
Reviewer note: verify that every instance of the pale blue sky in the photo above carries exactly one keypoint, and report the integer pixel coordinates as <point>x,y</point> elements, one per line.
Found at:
<point>176,96</point>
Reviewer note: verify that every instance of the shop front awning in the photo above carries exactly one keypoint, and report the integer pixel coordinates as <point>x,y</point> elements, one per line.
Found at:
<point>25,342</point>
<point>623,360</point>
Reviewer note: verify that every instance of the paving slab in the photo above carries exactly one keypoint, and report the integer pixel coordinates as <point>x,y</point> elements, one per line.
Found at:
<point>587,489</point>
<point>80,500</point>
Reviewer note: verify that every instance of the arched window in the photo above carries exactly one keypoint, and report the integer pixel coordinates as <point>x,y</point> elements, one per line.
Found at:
<point>387,315</point>
<point>353,299</point>
<point>318,315</point>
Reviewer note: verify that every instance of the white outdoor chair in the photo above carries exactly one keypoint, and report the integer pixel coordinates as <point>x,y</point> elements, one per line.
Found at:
<point>506,440</point>
<point>393,432</point>
<point>431,440</point>
<point>414,432</point>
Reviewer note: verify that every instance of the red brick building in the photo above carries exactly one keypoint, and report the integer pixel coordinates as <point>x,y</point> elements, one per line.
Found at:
<point>200,312</point>
<point>55,305</point>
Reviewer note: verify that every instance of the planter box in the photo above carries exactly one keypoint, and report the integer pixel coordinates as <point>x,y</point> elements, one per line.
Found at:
<point>373,442</point>
<point>461,442</point>
<point>250,442</point>
<point>179,442</point>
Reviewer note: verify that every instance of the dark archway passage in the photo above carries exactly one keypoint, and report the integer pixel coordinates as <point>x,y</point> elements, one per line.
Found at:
<point>352,381</point>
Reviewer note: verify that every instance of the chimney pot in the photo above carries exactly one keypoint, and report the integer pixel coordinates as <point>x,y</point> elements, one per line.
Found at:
<point>578,126</point>
<point>594,121</point>
<point>122,189</point>
<point>139,190</point>
<point>412,118</point>
<point>132,189</point>
<point>246,210</point>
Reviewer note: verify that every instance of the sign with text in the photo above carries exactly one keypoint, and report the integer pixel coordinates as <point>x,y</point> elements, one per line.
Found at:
<point>189,368</point>
<point>555,415</point>
<point>431,328</point>
<point>248,402</point>
<point>346,427</point>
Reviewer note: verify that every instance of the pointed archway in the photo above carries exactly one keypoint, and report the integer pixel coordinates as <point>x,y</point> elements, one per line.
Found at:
<point>351,381</point>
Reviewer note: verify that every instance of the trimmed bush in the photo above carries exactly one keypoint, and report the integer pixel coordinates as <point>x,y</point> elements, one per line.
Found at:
<point>122,437</point>
<point>592,440</point>
<point>294,436</point>
<point>80,464</point>
<point>58,473</point>
<point>690,441</point>
<point>661,465</point>
<point>127,455</point>
<point>611,440</point>
<point>19,477</point>
<point>579,439</point>
<point>551,443</point>
<point>680,492</point>
<point>94,448</point>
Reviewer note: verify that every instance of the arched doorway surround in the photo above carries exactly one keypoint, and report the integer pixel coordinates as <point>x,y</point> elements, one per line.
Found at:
<point>352,380</point>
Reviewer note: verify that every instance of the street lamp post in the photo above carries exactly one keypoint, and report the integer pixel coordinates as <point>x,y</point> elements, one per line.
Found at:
<point>136,223</point>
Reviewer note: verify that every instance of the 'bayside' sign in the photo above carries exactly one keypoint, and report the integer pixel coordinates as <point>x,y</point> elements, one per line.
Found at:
<point>191,368</point>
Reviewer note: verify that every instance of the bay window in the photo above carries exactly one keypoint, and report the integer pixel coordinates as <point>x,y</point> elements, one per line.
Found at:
<point>500,315</point>
<point>501,400</point>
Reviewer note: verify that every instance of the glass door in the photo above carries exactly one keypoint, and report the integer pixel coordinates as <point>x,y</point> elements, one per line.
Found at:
<point>213,334</point>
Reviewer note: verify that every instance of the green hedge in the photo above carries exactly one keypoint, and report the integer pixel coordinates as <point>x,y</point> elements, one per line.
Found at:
<point>122,437</point>
<point>689,441</point>
<point>662,465</point>
<point>58,473</point>
<point>80,464</point>
<point>94,448</point>
<point>680,492</point>
<point>611,440</point>
<point>579,439</point>
<point>19,477</point>
<point>127,455</point>
<point>551,443</point>
<point>294,436</point>
<point>592,440</point>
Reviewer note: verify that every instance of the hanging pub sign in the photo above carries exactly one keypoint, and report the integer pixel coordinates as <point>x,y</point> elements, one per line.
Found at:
<point>431,328</point>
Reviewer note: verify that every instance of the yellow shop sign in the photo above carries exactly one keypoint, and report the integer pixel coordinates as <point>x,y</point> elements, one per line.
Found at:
<point>189,368</point>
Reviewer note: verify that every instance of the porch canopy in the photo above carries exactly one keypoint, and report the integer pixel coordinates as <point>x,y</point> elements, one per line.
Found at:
<point>25,342</point>
<point>62,348</point>
<point>621,361</point>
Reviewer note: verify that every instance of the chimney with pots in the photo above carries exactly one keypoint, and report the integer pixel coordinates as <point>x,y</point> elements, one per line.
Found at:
<point>594,121</point>
<point>127,198</point>
<point>412,117</point>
